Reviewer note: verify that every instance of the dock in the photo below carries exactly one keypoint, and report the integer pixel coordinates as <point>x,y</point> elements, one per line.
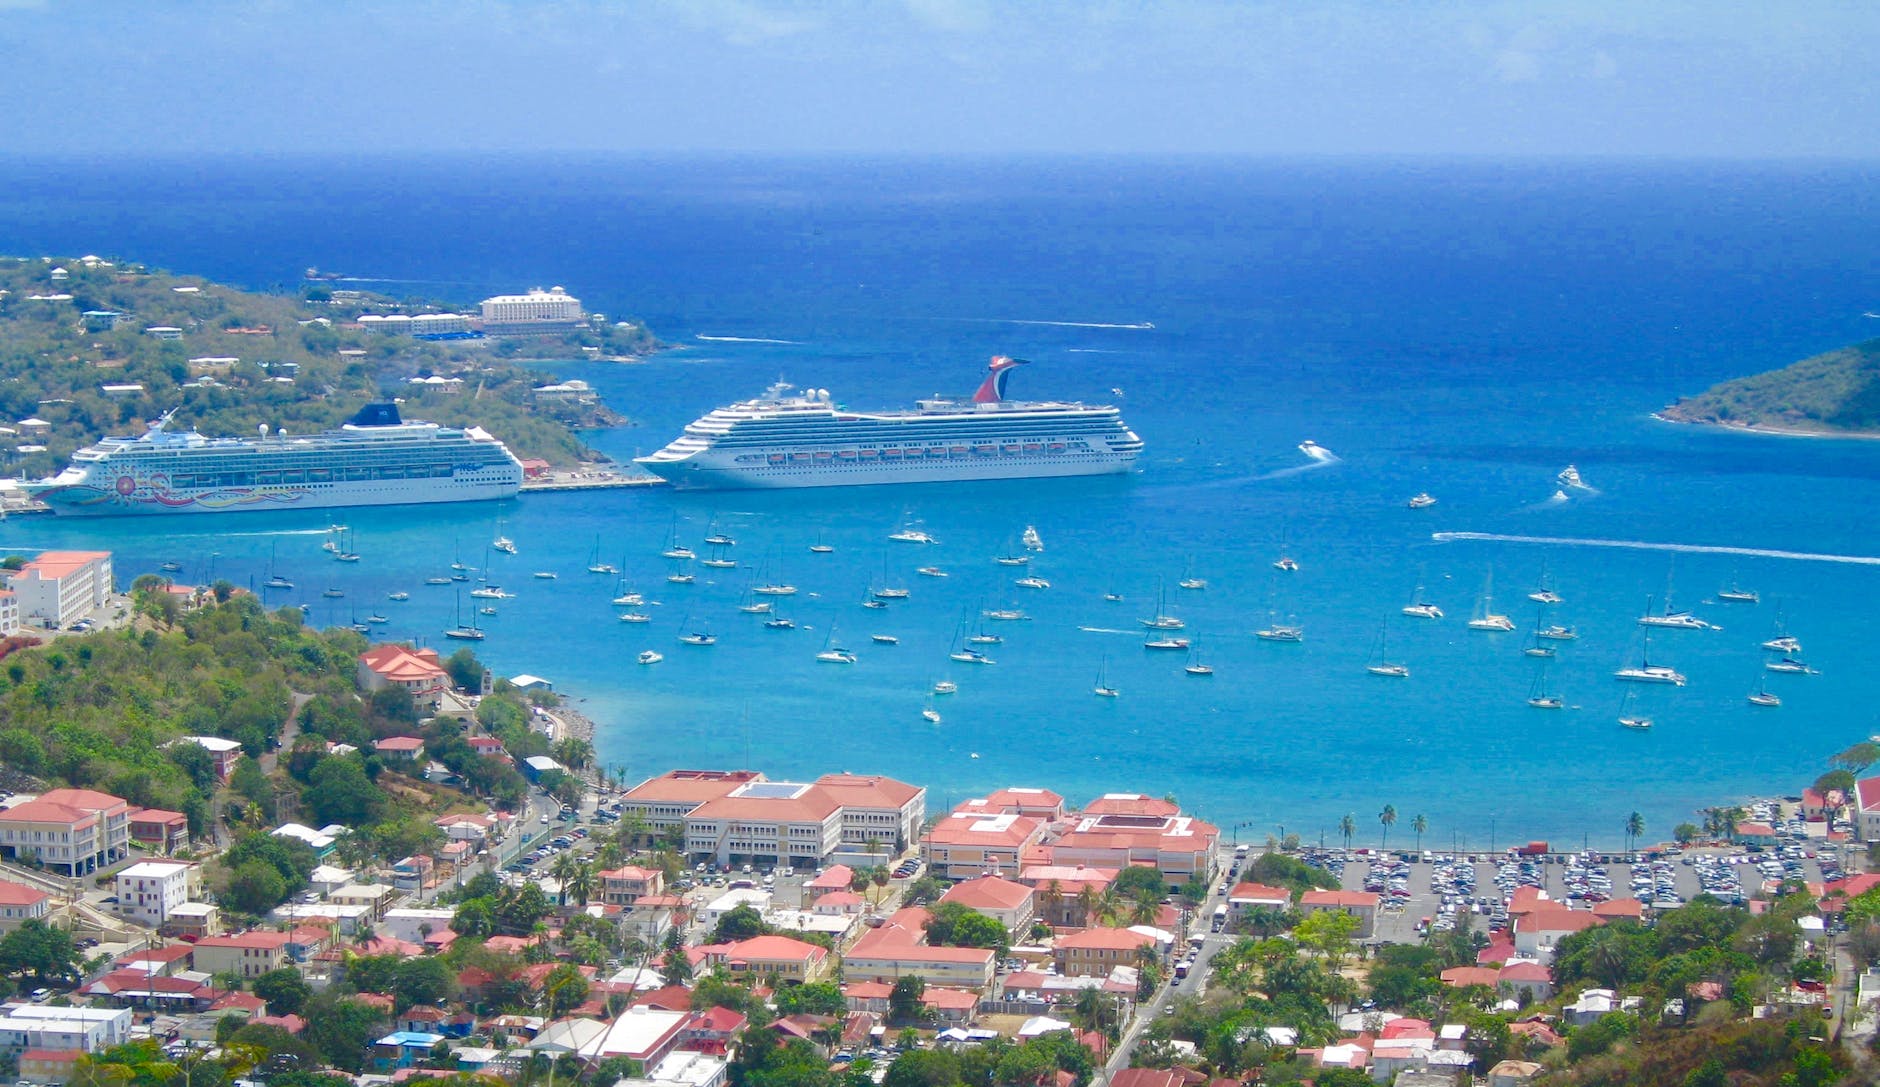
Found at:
<point>588,481</point>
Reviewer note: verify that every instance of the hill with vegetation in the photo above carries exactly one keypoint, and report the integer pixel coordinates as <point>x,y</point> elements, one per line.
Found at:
<point>1833,393</point>
<point>241,359</point>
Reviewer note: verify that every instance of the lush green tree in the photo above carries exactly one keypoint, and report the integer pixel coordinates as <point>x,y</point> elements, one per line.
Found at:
<point>1634,830</point>
<point>1600,1035</point>
<point>339,792</point>
<point>44,951</point>
<point>255,888</point>
<point>904,1004</point>
<point>923,1068</point>
<point>563,990</point>
<point>1328,932</point>
<point>1139,880</point>
<point>1420,826</point>
<point>675,968</point>
<point>341,1029</point>
<point>954,925</point>
<point>285,990</point>
<point>1348,827</point>
<point>1388,819</point>
<point>739,923</point>
<point>466,672</point>
<point>1279,870</point>
<point>423,980</point>
<point>814,998</point>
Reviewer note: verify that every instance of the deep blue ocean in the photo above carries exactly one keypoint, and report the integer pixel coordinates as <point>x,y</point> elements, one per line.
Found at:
<point>1465,328</point>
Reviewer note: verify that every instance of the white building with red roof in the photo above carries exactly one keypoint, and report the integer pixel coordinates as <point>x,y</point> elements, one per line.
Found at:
<point>1866,805</point>
<point>761,957</point>
<point>245,954</point>
<point>78,830</point>
<point>663,802</point>
<point>1123,830</point>
<point>19,903</point>
<point>1359,904</point>
<point>970,842</point>
<point>417,671</point>
<point>743,816</point>
<point>1065,891</point>
<point>629,883</point>
<point>1010,904</point>
<point>1537,933</point>
<point>1096,952</point>
<point>898,948</point>
<point>1019,800</point>
<point>61,587</point>
<point>881,817</point>
<point>1245,898</point>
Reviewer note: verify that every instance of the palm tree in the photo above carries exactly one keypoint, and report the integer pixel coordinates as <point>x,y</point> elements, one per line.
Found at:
<point>1051,899</point>
<point>1420,825</point>
<point>573,752</point>
<point>1634,829</point>
<point>1348,826</point>
<point>582,883</point>
<point>1388,817</point>
<point>1089,899</point>
<point>563,870</point>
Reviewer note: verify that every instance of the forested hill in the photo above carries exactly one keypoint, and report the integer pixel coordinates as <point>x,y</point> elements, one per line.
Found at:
<point>235,360</point>
<point>1833,393</point>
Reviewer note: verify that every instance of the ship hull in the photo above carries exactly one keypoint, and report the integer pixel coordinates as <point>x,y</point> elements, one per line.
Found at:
<point>86,499</point>
<point>706,472</point>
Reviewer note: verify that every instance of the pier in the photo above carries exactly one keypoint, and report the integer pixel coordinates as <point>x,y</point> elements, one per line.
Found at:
<point>587,481</point>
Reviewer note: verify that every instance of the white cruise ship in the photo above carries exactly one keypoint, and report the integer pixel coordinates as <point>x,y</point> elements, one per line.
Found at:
<point>788,438</point>
<point>375,459</point>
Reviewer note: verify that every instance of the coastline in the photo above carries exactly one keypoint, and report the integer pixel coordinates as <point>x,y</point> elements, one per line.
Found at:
<point>1767,429</point>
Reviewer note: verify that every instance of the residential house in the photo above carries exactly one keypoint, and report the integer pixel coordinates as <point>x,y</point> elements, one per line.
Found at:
<point>193,920</point>
<point>404,749</point>
<point>1537,933</point>
<point>224,753</point>
<point>790,961</point>
<point>626,885</point>
<point>1246,898</point>
<point>158,830</point>
<point>420,672</point>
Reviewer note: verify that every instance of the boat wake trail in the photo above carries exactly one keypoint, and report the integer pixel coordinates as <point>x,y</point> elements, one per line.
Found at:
<point>741,339</point>
<point>1104,630</point>
<point>1138,326</point>
<point>1647,545</point>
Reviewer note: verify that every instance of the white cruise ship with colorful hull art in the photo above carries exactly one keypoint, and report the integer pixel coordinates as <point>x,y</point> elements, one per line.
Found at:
<point>788,438</point>
<point>376,459</point>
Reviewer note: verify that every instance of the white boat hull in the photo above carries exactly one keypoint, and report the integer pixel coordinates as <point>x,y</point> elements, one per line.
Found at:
<point>704,471</point>
<point>152,496</point>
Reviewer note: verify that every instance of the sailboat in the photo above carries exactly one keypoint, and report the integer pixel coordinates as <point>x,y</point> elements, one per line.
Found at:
<point>1736,594</point>
<point>931,715</point>
<point>595,565</point>
<point>718,539</point>
<point>1647,672</point>
<point>675,550</point>
<point>1162,620</point>
<point>754,606</point>
<point>696,637</point>
<point>910,533</point>
<point>346,552</point>
<point>331,543</point>
<point>1675,620</point>
<point>946,686</point>
<point>1103,688</point>
<point>1761,696</point>
<point>1195,665</point>
<point>1782,641</point>
<point>889,590</point>
<point>819,547</point>
<point>778,622</point>
<point>464,633</point>
<point>1284,563</point>
<point>832,653</point>
<point>1629,719</point>
<point>1540,647</point>
<point>275,580</point>
<point>1419,608</point>
<point>1381,664</point>
<point>966,654</point>
<point>1031,539</point>
<point>1544,594</point>
<point>1485,618</point>
<point>503,543</point>
<point>1791,666</point>
<point>1538,695</point>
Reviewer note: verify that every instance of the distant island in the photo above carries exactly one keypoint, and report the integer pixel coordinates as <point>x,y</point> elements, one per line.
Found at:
<point>90,346</point>
<point>1836,393</point>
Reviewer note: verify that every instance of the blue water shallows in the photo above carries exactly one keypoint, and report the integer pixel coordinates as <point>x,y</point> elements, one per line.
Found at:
<point>1465,329</point>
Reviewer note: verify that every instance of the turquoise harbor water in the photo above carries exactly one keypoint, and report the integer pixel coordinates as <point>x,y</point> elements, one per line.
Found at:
<point>1464,329</point>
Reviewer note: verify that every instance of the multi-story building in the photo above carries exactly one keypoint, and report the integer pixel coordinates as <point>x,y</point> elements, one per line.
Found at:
<point>881,817</point>
<point>845,818</point>
<point>18,903</point>
<point>226,753</point>
<point>148,892</point>
<point>1095,952</point>
<point>417,671</point>
<point>9,613</point>
<point>1122,830</point>
<point>246,955</point>
<point>1066,892</point>
<point>971,842</point>
<point>769,822</point>
<point>1011,904</point>
<point>160,830</point>
<point>78,830</point>
<point>662,803</point>
<point>536,313</point>
<point>44,1026</point>
<point>897,948</point>
<point>626,885</point>
<point>60,587</point>
<point>764,956</point>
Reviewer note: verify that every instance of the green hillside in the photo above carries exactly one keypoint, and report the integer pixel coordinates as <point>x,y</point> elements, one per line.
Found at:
<point>300,362</point>
<point>1833,393</point>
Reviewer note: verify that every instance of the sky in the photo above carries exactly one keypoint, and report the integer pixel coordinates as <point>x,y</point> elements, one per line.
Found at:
<point>1391,77</point>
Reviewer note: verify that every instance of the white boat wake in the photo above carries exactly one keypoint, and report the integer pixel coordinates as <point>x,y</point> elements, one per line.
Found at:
<point>1104,630</point>
<point>1137,326</point>
<point>741,339</point>
<point>1647,545</point>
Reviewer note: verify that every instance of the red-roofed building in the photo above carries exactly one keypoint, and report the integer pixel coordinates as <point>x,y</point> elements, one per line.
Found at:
<point>1132,804</point>
<point>1461,977</point>
<point>954,1007</point>
<point>868,996</point>
<point>77,830</point>
<point>762,956</point>
<point>1536,934</point>
<point>663,802</point>
<point>246,954</point>
<point>1019,800</point>
<point>49,1065</point>
<point>1124,830</point>
<point>1010,904</point>
<point>968,843</point>
<point>19,902</point>
<point>1359,904</point>
<point>1835,893</point>
<point>1245,898</point>
<point>1147,1077</point>
<point>1095,952</point>
<point>1528,981</point>
<point>1535,1031</point>
<point>879,814</point>
<point>628,884</point>
<point>418,671</point>
<point>897,949</point>
<point>158,830</point>
<point>1753,834</point>
<point>676,998</point>
<point>487,745</point>
<point>61,587</point>
<point>1620,907</point>
<point>399,747</point>
<point>1062,891</point>
<point>712,1030</point>
<point>1526,900</point>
